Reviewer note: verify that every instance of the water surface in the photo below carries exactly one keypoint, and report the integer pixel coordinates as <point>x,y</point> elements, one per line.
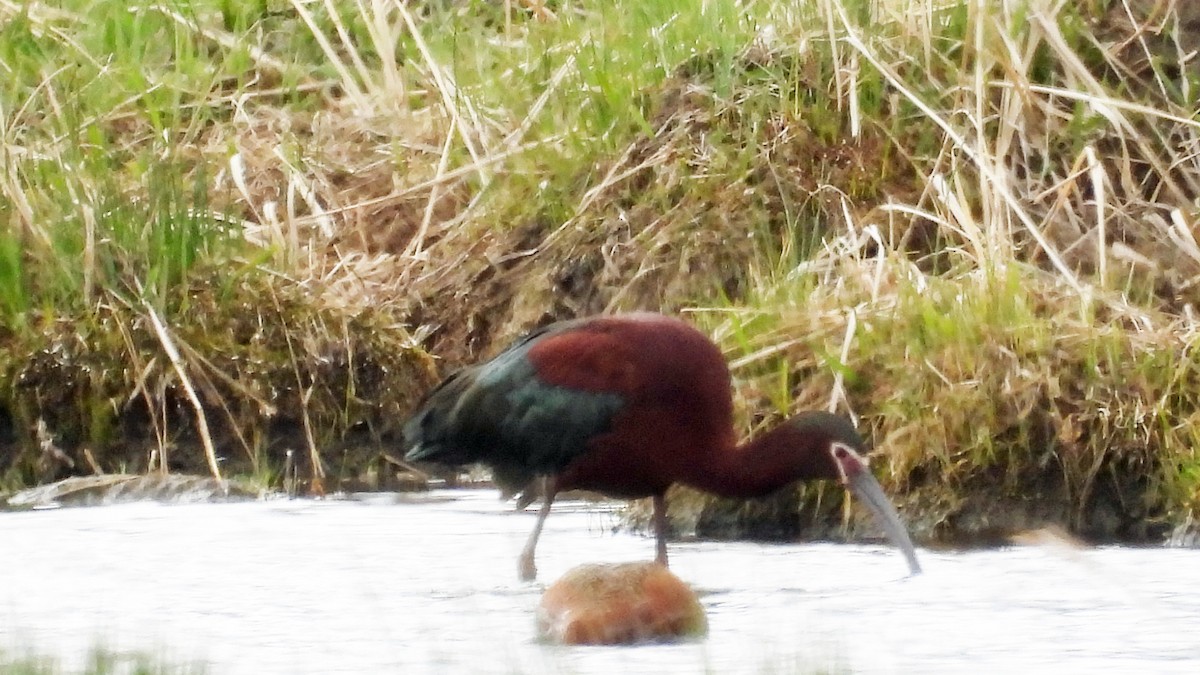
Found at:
<point>428,584</point>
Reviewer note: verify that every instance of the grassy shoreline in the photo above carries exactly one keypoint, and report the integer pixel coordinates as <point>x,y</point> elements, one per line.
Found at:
<point>235,230</point>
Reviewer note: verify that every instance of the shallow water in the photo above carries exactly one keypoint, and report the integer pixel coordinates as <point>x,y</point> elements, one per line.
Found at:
<point>428,584</point>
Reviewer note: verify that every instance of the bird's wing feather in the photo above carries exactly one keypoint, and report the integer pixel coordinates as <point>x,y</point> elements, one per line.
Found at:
<point>532,409</point>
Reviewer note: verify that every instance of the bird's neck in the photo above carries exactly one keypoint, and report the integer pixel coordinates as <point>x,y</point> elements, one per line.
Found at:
<point>758,467</point>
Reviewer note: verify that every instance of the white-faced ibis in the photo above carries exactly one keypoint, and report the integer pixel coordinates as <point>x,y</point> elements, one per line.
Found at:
<point>626,406</point>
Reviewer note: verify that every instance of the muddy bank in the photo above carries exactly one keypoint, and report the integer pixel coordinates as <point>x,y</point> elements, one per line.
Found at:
<point>265,377</point>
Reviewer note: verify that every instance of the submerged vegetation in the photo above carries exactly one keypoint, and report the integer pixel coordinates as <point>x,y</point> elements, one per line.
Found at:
<point>99,661</point>
<point>234,231</point>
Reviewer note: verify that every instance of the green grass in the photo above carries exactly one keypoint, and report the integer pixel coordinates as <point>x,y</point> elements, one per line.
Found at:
<point>100,661</point>
<point>314,198</point>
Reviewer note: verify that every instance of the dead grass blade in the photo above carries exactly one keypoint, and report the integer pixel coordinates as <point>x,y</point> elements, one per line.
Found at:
<point>168,345</point>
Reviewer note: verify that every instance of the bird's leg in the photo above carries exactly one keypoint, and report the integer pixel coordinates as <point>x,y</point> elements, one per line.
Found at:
<point>660,528</point>
<point>525,567</point>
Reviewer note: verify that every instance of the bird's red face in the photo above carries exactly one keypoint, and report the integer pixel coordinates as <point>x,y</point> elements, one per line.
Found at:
<point>847,460</point>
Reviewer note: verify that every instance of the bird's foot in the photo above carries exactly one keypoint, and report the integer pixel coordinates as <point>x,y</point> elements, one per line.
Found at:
<point>526,570</point>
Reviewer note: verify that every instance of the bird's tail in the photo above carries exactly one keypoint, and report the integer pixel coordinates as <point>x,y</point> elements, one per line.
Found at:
<point>431,434</point>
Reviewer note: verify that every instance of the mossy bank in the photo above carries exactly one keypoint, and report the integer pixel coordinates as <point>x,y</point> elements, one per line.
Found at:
<point>230,232</point>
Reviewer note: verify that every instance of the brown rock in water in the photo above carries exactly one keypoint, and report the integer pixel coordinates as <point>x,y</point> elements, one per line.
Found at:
<point>619,604</point>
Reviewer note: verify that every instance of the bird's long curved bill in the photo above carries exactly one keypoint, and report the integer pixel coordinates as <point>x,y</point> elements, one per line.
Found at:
<point>865,487</point>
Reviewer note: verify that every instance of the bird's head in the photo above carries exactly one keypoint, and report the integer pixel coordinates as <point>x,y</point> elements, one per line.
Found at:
<point>837,451</point>
<point>829,445</point>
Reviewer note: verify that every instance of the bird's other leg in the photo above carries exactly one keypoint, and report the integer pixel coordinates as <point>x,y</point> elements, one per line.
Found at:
<point>525,567</point>
<point>660,529</point>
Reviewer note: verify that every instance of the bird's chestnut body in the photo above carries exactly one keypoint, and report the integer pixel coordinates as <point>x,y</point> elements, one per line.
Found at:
<point>623,405</point>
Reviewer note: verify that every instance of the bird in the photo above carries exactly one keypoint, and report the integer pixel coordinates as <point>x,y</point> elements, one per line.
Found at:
<point>628,405</point>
